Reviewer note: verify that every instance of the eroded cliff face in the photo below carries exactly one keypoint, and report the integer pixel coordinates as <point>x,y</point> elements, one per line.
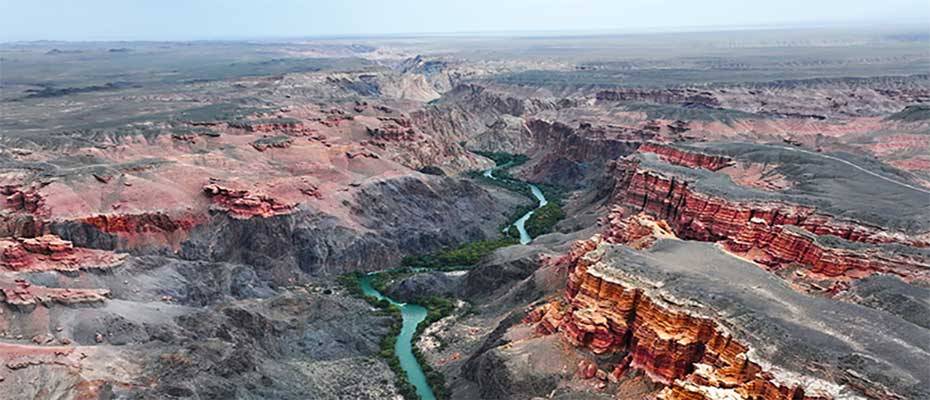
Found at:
<point>701,216</point>
<point>690,354</point>
<point>51,253</point>
<point>652,293</point>
<point>630,321</point>
<point>568,155</point>
<point>775,234</point>
<point>685,158</point>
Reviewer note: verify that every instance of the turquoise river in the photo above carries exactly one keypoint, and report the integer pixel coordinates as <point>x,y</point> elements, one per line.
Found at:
<point>413,314</point>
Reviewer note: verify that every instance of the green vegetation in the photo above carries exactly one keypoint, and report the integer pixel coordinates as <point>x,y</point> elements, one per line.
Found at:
<point>351,282</point>
<point>386,351</point>
<point>435,378</point>
<point>437,308</point>
<point>466,255</point>
<point>502,159</point>
<point>504,180</point>
<point>544,219</point>
<point>463,256</point>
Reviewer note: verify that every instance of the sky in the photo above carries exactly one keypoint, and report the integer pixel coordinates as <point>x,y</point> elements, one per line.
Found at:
<point>256,19</point>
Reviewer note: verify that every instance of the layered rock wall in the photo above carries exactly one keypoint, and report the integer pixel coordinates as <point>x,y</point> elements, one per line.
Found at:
<point>685,158</point>
<point>50,252</point>
<point>692,355</point>
<point>244,204</point>
<point>769,227</point>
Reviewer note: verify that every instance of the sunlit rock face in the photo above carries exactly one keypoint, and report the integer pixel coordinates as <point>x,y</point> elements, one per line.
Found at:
<point>697,346</point>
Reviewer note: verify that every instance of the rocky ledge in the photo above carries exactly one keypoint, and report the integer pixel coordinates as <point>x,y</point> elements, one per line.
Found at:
<point>50,252</point>
<point>22,199</point>
<point>686,158</point>
<point>23,293</point>
<point>769,230</point>
<point>244,204</point>
<point>684,324</point>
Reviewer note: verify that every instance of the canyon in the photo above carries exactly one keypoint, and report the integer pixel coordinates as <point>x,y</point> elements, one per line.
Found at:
<point>608,217</point>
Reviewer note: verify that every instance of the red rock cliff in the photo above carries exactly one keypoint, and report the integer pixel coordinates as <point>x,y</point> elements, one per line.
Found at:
<point>744,226</point>
<point>685,158</point>
<point>244,204</point>
<point>50,252</point>
<point>692,355</point>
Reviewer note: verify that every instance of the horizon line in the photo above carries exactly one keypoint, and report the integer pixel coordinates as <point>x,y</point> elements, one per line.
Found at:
<point>855,25</point>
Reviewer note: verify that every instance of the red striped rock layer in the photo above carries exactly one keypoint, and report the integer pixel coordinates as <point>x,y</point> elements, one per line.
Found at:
<point>244,204</point>
<point>704,217</point>
<point>23,293</point>
<point>777,245</point>
<point>142,229</point>
<point>690,354</point>
<point>638,231</point>
<point>744,226</point>
<point>50,252</point>
<point>686,158</point>
<point>23,200</point>
<point>130,224</point>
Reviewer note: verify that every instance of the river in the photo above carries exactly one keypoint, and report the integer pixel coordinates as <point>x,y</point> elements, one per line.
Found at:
<point>413,314</point>
<point>403,347</point>
<point>520,223</point>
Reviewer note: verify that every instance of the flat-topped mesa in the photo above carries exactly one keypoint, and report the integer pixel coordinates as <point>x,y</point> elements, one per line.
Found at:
<point>700,216</point>
<point>22,200</point>
<point>23,293</point>
<point>692,355</point>
<point>50,252</point>
<point>334,117</point>
<point>692,159</point>
<point>243,204</point>
<point>770,233</point>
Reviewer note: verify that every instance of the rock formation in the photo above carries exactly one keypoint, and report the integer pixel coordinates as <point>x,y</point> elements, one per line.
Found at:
<point>691,159</point>
<point>244,204</point>
<point>610,310</point>
<point>50,252</point>
<point>23,293</point>
<point>19,199</point>
<point>280,142</point>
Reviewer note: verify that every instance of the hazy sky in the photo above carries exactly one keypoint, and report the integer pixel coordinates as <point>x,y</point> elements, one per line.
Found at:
<point>219,19</point>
